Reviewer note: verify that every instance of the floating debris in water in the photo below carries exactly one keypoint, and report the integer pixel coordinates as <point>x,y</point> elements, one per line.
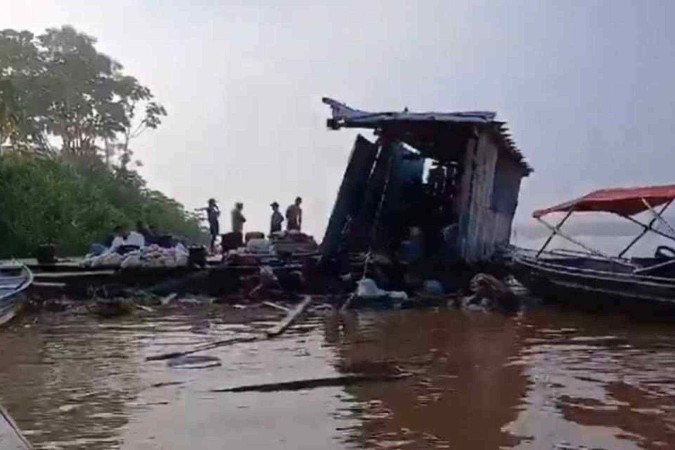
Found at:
<point>296,385</point>
<point>194,362</point>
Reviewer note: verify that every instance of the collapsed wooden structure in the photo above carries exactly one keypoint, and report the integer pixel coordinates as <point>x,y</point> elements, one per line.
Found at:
<point>454,176</point>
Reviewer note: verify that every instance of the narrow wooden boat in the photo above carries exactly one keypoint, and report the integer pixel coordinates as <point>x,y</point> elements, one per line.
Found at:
<point>11,437</point>
<point>12,287</point>
<point>590,275</point>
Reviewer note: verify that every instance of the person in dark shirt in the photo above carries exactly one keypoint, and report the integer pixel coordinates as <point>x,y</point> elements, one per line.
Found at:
<point>109,239</point>
<point>142,228</point>
<point>277,218</point>
<point>212,215</point>
<point>98,249</point>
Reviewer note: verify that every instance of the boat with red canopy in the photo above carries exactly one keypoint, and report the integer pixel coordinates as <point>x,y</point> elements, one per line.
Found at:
<point>593,275</point>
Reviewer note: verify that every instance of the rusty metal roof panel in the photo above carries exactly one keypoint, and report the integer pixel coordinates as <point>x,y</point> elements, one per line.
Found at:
<point>347,117</point>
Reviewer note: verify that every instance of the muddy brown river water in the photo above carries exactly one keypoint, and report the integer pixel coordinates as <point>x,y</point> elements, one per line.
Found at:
<point>544,379</point>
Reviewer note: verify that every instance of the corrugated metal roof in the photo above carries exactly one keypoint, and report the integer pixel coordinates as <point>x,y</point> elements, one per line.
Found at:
<point>342,112</point>
<point>345,116</point>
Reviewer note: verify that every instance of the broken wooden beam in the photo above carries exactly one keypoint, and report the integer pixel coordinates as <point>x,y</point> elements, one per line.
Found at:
<point>73,275</point>
<point>290,318</point>
<point>347,302</point>
<point>49,284</point>
<point>272,332</point>
<point>276,306</point>
<point>166,300</point>
<point>202,348</point>
<point>143,308</point>
<point>296,385</point>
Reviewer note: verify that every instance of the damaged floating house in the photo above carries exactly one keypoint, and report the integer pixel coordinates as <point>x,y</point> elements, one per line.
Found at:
<point>453,176</point>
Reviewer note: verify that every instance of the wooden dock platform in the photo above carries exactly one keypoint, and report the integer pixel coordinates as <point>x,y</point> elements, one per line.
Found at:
<point>69,276</point>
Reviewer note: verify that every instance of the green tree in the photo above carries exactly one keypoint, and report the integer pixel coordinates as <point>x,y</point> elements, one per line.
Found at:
<point>136,97</point>
<point>23,93</point>
<point>8,111</point>
<point>56,88</point>
<point>63,87</point>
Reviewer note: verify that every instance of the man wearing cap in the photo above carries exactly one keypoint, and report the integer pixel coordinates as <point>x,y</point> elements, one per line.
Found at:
<point>276,220</point>
<point>294,215</point>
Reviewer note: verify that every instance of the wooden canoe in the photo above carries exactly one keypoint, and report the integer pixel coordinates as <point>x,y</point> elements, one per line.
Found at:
<point>11,437</point>
<point>11,290</point>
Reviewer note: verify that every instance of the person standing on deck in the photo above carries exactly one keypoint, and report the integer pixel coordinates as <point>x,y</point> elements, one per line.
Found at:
<point>125,240</point>
<point>238,218</point>
<point>294,215</point>
<point>276,220</point>
<point>212,215</point>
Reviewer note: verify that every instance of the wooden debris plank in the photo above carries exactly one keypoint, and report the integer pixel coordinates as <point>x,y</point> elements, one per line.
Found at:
<point>276,306</point>
<point>272,332</point>
<point>202,348</point>
<point>143,308</point>
<point>166,300</point>
<point>49,284</point>
<point>295,385</point>
<point>290,318</point>
<point>59,275</point>
<point>348,302</point>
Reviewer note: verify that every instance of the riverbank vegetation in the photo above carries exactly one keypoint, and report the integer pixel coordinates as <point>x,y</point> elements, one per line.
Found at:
<point>68,118</point>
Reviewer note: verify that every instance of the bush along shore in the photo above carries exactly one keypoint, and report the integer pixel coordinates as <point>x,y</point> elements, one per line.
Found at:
<point>51,200</point>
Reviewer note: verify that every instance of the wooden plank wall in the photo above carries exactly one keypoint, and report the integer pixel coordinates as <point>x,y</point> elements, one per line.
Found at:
<point>482,228</point>
<point>348,202</point>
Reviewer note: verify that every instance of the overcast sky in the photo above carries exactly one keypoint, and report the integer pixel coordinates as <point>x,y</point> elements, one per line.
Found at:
<point>587,87</point>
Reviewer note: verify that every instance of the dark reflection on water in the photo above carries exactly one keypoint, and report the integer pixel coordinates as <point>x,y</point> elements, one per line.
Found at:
<point>544,379</point>
<point>463,388</point>
<point>68,383</point>
<point>597,382</point>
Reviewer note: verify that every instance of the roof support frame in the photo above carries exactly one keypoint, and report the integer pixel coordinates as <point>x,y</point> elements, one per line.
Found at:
<point>647,228</point>
<point>555,230</point>
<point>658,217</point>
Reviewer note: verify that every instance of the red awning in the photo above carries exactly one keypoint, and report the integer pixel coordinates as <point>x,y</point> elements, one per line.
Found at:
<point>622,201</point>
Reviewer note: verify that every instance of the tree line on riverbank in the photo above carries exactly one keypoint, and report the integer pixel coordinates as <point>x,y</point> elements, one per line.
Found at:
<point>68,118</point>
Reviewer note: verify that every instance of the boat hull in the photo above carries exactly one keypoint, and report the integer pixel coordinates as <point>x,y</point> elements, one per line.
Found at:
<point>587,287</point>
<point>11,437</point>
<point>12,298</point>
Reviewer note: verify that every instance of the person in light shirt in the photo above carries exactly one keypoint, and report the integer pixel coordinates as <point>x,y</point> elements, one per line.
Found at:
<point>294,215</point>
<point>126,240</point>
<point>238,218</point>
